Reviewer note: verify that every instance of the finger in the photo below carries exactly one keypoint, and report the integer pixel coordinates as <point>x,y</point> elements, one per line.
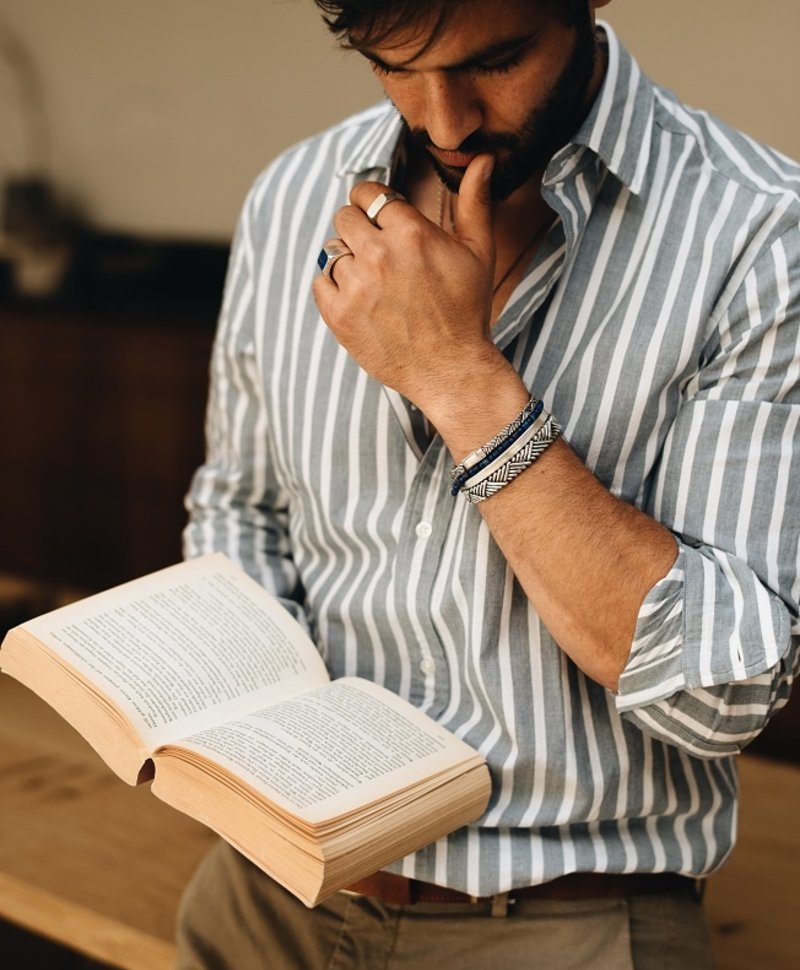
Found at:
<point>374,197</point>
<point>352,225</point>
<point>324,293</point>
<point>474,212</point>
<point>362,193</point>
<point>330,254</point>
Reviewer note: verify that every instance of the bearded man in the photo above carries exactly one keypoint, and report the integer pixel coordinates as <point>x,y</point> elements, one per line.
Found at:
<point>521,451</point>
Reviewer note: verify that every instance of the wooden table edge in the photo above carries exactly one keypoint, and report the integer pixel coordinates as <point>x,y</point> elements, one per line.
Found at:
<point>78,927</point>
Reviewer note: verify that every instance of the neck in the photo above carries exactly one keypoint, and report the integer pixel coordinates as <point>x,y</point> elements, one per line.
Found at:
<point>520,207</point>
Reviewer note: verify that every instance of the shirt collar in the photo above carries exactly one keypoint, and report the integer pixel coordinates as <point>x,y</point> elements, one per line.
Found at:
<point>618,128</point>
<point>378,145</point>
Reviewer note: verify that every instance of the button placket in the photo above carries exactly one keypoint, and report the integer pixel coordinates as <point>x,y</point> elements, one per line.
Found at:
<point>423,534</point>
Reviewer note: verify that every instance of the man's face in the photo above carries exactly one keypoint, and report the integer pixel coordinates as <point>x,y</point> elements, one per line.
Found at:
<point>502,77</point>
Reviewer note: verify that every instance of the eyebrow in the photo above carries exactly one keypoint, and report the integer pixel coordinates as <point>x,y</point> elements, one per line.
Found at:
<point>509,46</point>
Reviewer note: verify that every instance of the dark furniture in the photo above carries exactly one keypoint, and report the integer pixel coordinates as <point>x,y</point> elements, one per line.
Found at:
<point>101,426</point>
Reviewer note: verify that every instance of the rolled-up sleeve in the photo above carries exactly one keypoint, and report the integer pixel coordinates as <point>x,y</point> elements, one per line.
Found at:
<point>235,502</point>
<point>716,643</point>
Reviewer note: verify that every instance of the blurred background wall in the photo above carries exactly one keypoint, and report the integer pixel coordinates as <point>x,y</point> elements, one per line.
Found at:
<point>153,116</point>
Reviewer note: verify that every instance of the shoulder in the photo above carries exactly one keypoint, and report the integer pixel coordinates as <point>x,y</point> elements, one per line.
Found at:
<point>730,155</point>
<point>292,201</point>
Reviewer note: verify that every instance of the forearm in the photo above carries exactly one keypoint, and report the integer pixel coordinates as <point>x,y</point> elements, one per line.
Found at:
<point>585,559</point>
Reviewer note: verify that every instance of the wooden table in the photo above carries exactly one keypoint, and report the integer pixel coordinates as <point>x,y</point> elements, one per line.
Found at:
<point>84,859</point>
<point>93,864</point>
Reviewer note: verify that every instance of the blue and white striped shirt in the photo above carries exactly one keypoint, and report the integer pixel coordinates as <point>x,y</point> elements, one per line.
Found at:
<point>659,321</point>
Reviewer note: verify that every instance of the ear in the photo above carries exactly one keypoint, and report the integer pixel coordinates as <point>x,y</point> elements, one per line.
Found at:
<point>599,3</point>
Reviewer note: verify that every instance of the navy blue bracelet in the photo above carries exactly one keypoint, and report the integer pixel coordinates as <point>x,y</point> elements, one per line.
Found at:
<point>506,443</point>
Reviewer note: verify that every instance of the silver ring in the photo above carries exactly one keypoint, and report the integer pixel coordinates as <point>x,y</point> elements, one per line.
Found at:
<point>328,256</point>
<point>378,204</point>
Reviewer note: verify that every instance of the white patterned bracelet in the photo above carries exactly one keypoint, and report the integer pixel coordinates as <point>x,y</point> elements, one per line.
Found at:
<point>528,413</point>
<point>525,451</point>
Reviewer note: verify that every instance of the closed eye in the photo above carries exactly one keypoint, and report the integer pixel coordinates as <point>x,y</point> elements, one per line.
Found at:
<point>496,67</point>
<point>497,59</point>
<point>382,70</point>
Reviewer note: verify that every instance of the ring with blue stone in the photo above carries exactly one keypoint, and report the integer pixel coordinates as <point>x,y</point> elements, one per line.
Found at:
<point>328,256</point>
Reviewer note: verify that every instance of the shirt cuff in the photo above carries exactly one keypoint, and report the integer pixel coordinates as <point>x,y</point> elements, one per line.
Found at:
<point>710,621</point>
<point>655,665</point>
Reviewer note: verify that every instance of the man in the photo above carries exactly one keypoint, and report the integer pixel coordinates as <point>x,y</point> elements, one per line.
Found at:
<point>609,613</point>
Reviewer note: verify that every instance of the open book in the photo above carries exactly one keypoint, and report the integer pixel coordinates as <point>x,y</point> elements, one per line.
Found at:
<point>197,678</point>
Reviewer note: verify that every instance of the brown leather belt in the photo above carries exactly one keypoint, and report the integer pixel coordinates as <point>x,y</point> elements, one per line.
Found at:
<point>399,891</point>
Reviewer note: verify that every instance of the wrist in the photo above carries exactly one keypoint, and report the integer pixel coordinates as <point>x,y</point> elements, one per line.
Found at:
<point>471,408</point>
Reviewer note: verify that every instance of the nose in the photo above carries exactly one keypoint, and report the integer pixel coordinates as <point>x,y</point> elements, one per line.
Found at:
<point>452,112</point>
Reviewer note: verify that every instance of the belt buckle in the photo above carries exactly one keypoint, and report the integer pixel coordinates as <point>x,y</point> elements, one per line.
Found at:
<point>500,904</point>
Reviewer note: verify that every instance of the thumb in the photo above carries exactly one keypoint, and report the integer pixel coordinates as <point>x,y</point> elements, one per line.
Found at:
<point>474,213</point>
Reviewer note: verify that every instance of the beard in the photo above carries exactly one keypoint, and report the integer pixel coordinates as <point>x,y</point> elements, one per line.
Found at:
<point>545,129</point>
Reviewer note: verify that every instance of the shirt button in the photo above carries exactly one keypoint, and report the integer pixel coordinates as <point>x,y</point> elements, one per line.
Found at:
<point>424,530</point>
<point>427,666</point>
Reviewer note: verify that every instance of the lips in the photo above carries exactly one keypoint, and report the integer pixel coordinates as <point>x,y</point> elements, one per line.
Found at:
<point>453,159</point>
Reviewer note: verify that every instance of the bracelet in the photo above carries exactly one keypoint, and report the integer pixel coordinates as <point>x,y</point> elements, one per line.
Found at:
<point>501,455</point>
<point>492,479</point>
<point>482,458</point>
<point>480,453</point>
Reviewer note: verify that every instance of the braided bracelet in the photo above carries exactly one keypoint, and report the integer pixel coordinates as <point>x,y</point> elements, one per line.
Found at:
<point>480,453</point>
<point>488,453</point>
<point>496,460</point>
<point>515,460</point>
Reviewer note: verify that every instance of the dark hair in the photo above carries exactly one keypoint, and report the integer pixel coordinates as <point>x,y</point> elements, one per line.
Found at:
<point>369,22</point>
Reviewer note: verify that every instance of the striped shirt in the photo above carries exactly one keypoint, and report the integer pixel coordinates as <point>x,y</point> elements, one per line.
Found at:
<point>659,323</point>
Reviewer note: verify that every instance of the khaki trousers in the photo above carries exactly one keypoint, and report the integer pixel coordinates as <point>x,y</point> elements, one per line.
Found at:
<point>235,918</point>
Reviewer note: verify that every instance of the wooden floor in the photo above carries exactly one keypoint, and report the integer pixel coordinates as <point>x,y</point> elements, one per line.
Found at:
<point>99,867</point>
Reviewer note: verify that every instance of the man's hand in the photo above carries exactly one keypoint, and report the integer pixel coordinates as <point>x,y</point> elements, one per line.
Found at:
<point>413,304</point>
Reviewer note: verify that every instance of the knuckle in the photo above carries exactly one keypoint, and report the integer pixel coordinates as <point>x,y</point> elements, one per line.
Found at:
<point>377,257</point>
<point>318,293</point>
<point>344,217</point>
<point>356,290</point>
<point>415,231</point>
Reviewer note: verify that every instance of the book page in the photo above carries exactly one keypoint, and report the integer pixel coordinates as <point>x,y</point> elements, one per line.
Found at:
<point>185,647</point>
<point>333,749</point>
